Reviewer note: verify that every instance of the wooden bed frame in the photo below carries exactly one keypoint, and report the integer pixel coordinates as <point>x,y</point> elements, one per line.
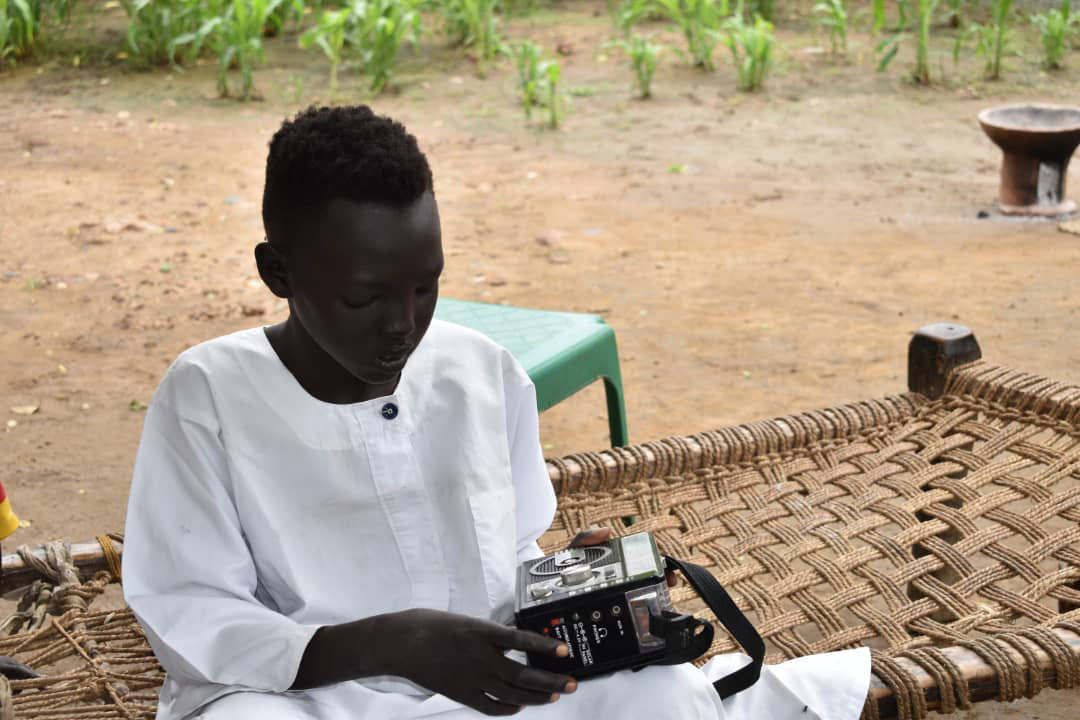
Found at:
<point>941,527</point>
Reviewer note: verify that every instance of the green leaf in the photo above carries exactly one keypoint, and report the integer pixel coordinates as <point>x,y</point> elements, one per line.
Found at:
<point>889,47</point>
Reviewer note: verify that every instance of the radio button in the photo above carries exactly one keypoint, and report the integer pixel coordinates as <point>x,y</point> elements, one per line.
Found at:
<point>576,575</point>
<point>540,591</point>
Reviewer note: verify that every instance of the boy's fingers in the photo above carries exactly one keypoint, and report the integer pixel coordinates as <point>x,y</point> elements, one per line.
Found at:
<point>591,537</point>
<point>540,680</point>
<point>517,695</point>
<point>531,642</point>
<point>485,704</point>
<point>672,578</point>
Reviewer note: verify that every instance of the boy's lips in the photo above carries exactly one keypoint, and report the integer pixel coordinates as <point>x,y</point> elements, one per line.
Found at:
<point>393,361</point>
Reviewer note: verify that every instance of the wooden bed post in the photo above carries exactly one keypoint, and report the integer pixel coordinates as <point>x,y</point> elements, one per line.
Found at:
<point>933,353</point>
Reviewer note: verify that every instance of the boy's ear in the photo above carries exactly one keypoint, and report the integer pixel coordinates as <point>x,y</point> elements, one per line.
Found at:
<point>273,269</point>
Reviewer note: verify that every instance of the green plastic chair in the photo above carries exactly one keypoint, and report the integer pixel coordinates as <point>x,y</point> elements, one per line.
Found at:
<point>562,352</point>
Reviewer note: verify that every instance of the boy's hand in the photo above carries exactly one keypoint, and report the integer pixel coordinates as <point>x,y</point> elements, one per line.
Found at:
<point>464,659</point>
<point>599,536</point>
<point>593,536</point>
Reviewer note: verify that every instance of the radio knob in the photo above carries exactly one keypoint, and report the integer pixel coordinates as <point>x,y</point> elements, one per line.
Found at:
<point>539,592</point>
<point>576,575</point>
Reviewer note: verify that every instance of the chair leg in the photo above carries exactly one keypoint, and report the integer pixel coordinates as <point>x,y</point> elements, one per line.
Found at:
<point>613,389</point>
<point>616,409</point>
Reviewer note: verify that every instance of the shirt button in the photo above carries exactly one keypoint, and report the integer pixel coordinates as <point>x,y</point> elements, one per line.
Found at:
<point>389,411</point>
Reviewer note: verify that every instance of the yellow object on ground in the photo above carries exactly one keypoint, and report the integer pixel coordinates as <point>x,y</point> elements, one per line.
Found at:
<point>9,523</point>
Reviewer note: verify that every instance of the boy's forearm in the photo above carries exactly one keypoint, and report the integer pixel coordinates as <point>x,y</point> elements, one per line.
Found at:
<point>364,648</point>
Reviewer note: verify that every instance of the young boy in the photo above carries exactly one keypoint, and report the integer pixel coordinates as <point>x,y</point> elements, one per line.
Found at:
<point>326,514</point>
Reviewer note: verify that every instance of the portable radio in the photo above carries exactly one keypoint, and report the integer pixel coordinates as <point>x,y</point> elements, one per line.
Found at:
<point>610,604</point>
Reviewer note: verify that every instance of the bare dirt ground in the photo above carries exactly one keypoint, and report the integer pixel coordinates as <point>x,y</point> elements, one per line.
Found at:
<point>757,255</point>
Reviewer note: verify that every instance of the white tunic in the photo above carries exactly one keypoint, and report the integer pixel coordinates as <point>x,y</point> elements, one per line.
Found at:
<point>258,514</point>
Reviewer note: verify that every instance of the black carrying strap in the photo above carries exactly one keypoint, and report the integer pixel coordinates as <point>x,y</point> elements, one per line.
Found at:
<point>692,644</point>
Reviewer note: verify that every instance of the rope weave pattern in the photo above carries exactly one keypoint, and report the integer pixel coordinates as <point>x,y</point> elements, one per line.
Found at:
<point>112,556</point>
<point>902,524</point>
<point>940,534</point>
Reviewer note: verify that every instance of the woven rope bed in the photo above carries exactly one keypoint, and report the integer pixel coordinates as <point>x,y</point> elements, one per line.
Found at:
<point>940,527</point>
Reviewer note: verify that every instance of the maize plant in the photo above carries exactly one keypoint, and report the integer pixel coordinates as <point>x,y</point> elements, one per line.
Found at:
<point>378,30</point>
<point>155,27</point>
<point>751,48</point>
<point>551,95</point>
<point>832,15</point>
<point>472,23</point>
<point>1055,29</point>
<point>22,23</point>
<point>20,26</point>
<point>629,13</point>
<point>329,36</point>
<point>923,20</point>
<point>700,22</point>
<point>764,8</point>
<point>998,38</point>
<point>644,57</point>
<point>991,39</point>
<point>234,35</point>
<point>526,58</point>
<point>878,10</point>
<point>539,82</point>
<point>289,12</point>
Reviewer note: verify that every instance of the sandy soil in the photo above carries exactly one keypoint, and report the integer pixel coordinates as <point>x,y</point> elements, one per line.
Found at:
<point>757,255</point>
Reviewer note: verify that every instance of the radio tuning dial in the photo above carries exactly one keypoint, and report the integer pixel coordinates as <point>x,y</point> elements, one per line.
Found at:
<point>570,557</point>
<point>539,592</point>
<point>576,575</point>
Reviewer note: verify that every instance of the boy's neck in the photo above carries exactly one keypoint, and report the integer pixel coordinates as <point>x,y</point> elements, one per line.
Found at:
<point>317,372</point>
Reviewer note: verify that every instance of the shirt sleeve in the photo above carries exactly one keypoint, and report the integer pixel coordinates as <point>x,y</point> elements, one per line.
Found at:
<point>534,494</point>
<point>188,574</point>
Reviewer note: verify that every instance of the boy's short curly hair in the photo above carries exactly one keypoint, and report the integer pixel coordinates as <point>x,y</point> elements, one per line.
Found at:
<point>330,152</point>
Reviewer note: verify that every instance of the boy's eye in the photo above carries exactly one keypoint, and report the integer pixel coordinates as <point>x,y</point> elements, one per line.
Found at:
<point>358,304</point>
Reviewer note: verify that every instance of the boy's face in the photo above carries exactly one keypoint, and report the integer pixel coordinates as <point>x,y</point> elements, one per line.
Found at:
<point>364,283</point>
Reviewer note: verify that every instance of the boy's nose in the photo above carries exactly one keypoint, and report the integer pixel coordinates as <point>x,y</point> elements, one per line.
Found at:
<point>399,322</point>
